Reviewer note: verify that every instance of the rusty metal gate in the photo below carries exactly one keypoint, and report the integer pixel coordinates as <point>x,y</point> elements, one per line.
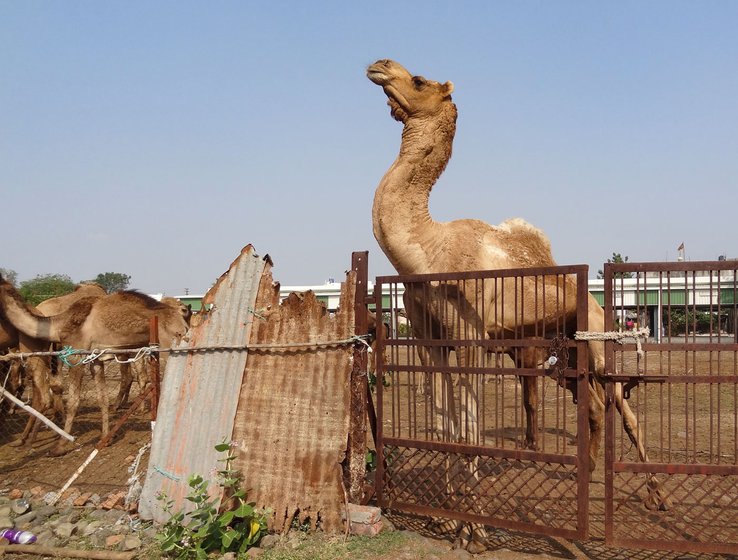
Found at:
<point>682,385</point>
<point>476,421</point>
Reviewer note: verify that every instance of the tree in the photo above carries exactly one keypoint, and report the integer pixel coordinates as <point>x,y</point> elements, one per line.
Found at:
<point>45,286</point>
<point>113,281</point>
<point>616,259</point>
<point>9,275</point>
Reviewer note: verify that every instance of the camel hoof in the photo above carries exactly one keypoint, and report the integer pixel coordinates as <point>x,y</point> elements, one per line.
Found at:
<point>59,450</point>
<point>657,499</point>
<point>17,442</point>
<point>472,539</point>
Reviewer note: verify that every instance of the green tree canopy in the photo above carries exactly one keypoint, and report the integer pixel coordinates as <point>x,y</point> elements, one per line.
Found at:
<point>45,286</point>
<point>9,275</point>
<point>616,258</point>
<point>113,281</point>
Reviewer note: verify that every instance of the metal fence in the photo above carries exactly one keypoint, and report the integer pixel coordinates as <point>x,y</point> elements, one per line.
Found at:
<point>462,436</point>
<point>683,387</point>
<point>474,419</point>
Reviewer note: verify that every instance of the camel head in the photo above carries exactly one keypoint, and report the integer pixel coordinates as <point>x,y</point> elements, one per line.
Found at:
<point>408,96</point>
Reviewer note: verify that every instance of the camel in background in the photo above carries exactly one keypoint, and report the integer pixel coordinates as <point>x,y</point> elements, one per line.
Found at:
<point>416,244</point>
<point>117,321</point>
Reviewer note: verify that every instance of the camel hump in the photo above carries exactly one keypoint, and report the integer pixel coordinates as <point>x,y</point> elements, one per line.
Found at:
<point>526,245</point>
<point>137,298</point>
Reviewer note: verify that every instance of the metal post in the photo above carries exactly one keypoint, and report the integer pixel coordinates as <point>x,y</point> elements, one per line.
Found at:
<point>154,365</point>
<point>359,385</point>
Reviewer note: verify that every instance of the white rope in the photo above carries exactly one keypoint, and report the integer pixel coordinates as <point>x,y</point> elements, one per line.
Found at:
<point>134,485</point>
<point>620,337</point>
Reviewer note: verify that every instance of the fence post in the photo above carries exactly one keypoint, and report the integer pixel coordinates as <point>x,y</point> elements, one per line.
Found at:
<point>154,365</point>
<point>359,384</point>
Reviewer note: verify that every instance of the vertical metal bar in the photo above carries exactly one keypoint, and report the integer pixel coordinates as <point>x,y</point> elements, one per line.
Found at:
<point>583,472</point>
<point>609,410</point>
<point>359,386</point>
<point>379,372</point>
<point>154,366</point>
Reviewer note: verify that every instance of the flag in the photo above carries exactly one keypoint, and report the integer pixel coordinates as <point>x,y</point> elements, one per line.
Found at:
<point>681,247</point>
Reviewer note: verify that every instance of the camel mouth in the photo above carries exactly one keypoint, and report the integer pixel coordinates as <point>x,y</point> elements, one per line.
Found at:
<point>377,76</point>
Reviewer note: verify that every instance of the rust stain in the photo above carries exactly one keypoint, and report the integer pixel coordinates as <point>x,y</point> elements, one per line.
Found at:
<point>292,421</point>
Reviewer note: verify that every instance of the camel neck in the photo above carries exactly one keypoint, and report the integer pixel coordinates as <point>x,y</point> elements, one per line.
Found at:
<point>401,216</point>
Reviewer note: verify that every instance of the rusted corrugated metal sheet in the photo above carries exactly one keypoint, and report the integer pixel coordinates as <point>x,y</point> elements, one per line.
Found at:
<point>292,421</point>
<point>200,389</point>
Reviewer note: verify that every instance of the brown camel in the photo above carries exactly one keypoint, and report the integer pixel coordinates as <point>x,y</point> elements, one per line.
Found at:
<point>46,388</point>
<point>116,321</point>
<point>416,244</point>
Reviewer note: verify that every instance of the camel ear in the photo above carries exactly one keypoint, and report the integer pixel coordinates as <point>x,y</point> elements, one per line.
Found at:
<point>449,87</point>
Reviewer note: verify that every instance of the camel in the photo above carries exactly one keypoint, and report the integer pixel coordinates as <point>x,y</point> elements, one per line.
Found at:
<point>416,244</point>
<point>46,388</point>
<point>119,320</point>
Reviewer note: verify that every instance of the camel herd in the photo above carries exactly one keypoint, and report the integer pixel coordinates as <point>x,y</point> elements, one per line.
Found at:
<point>86,319</point>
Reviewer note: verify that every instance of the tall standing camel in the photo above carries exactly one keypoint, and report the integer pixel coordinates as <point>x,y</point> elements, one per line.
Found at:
<point>117,321</point>
<point>416,244</point>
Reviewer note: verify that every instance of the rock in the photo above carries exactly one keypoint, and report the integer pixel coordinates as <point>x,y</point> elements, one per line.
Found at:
<point>90,527</point>
<point>15,493</point>
<point>114,540</point>
<point>254,552</point>
<point>24,520</point>
<point>130,542</point>
<point>98,538</point>
<point>44,512</point>
<point>269,541</point>
<point>5,511</point>
<point>94,499</point>
<point>65,530</point>
<point>6,522</point>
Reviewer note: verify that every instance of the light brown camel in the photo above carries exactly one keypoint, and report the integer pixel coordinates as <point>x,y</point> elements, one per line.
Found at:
<point>115,321</point>
<point>416,244</point>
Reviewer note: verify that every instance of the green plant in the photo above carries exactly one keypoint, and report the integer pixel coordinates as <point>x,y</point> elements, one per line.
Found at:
<point>205,529</point>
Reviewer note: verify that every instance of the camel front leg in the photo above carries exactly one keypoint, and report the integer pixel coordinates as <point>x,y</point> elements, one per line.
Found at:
<point>98,375</point>
<point>124,391</point>
<point>530,404</point>
<point>72,405</point>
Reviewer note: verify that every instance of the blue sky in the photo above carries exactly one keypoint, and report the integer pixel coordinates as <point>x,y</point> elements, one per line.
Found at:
<point>157,139</point>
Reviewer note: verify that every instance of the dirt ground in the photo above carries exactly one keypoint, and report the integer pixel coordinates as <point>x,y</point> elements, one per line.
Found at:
<point>31,467</point>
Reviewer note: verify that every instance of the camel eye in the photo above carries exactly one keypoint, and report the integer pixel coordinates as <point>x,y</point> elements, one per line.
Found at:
<point>418,81</point>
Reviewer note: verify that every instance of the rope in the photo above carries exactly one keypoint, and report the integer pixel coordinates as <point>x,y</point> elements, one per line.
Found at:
<point>139,353</point>
<point>134,484</point>
<point>620,337</point>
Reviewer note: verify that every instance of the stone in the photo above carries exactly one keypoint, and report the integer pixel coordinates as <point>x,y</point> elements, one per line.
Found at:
<point>99,538</point>
<point>94,499</point>
<point>114,540</point>
<point>44,512</point>
<point>6,522</point>
<point>254,552</point>
<point>269,541</point>
<point>65,530</point>
<point>15,493</point>
<point>5,511</point>
<point>366,515</point>
<point>130,542</point>
<point>366,530</point>
<point>90,527</point>
<point>24,520</point>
